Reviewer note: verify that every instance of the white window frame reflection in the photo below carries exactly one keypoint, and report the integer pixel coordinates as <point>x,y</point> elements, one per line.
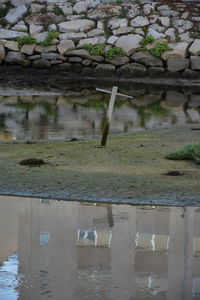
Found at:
<point>151,241</point>
<point>44,238</point>
<point>84,240</point>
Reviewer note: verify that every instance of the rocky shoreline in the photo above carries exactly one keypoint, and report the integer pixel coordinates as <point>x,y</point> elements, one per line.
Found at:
<point>102,39</point>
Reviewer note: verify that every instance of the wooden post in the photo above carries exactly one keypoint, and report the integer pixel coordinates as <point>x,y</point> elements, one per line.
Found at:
<point>110,111</point>
<point>109,116</point>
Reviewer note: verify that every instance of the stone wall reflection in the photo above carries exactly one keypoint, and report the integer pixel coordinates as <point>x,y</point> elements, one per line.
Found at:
<point>80,251</point>
<point>78,115</point>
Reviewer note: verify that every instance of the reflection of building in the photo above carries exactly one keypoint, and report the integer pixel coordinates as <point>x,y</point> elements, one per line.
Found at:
<point>77,251</point>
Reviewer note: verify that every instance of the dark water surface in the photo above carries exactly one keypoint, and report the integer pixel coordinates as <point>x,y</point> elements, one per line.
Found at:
<point>81,112</point>
<point>78,251</point>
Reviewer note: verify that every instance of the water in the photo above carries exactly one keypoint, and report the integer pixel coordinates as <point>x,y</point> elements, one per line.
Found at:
<point>81,113</point>
<point>69,250</point>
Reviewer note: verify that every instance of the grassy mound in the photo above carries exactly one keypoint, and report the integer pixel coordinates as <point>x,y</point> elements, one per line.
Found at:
<point>188,152</point>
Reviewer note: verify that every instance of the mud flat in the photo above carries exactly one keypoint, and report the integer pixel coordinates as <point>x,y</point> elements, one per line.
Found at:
<point>128,170</point>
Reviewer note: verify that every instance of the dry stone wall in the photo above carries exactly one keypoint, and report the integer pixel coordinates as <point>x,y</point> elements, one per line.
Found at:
<point>123,38</point>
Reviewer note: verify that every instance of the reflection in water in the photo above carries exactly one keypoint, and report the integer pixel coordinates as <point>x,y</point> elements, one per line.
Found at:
<point>70,250</point>
<point>37,117</point>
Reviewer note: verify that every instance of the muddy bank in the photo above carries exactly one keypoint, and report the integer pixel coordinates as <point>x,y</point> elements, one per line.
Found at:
<point>129,170</point>
<point>61,81</point>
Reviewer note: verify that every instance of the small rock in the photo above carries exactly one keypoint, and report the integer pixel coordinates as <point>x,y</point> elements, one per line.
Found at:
<point>11,45</point>
<point>41,63</point>
<point>140,21</point>
<point>42,49</point>
<point>80,7</point>
<point>2,52</point>
<point>28,49</point>
<point>112,40</point>
<point>65,45</point>
<point>178,50</point>
<point>34,29</point>
<point>95,32</point>
<point>118,60</point>
<point>174,173</point>
<point>147,59</point>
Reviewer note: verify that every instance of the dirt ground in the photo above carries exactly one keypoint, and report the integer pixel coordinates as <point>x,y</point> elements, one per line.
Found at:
<point>128,170</point>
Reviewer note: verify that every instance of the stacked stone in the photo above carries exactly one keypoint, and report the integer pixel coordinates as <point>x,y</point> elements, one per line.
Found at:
<point>94,22</point>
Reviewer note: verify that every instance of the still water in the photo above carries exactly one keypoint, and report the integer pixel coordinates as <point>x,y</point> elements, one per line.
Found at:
<point>82,113</point>
<point>77,251</point>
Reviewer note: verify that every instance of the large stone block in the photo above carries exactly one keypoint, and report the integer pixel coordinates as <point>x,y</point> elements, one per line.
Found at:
<point>41,64</point>
<point>175,64</point>
<point>195,62</point>
<point>195,48</point>
<point>10,34</point>
<point>14,57</point>
<point>104,70</point>
<point>178,50</point>
<point>65,45</point>
<point>147,59</point>
<point>132,70</point>
<point>175,98</point>
<point>118,60</point>
<point>83,25</point>
<point>140,21</point>
<point>130,43</point>
<point>28,49</point>
<point>15,14</point>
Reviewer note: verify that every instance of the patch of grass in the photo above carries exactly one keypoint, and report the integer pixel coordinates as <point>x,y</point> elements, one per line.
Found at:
<point>100,50</point>
<point>159,49</point>
<point>123,13</point>
<point>189,152</point>
<point>3,12</point>
<point>107,30</point>
<point>28,40</point>
<point>95,49</point>
<point>147,40</point>
<point>115,51</point>
<point>57,10</point>
<point>119,1</point>
<point>51,35</point>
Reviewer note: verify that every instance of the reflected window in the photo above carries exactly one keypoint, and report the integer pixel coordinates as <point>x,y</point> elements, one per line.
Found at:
<point>196,245</point>
<point>154,283</point>
<point>44,238</point>
<point>196,286</point>
<point>45,201</point>
<point>94,238</point>
<point>155,242</point>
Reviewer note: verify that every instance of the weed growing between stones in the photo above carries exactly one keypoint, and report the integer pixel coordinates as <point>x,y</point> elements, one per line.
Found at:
<point>28,40</point>
<point>147,40</point>
<point>189,152</point>
<point>159,49</point>
<point>3,12</point>
<point>48,41</point>
<point>57,10</point>
<point>99,49</point>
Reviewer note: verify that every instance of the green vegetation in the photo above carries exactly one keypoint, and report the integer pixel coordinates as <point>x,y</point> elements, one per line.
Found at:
<point>123,13</point>
<point>57,10</point>
<point>100,50</point>
<point>3,12</point>
<point>107,29</point>
<point>147,40</point>
<point>101,103</point>
<point>119,1</point>
<point>28,40</point>
<point>159,49</point>
<point>48,41</point>
<point>189,152</point>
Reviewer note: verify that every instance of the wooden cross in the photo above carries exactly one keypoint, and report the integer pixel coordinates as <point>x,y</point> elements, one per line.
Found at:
<point>110,111</point>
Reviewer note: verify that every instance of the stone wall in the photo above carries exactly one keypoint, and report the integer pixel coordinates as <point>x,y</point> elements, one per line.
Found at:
<point>53,33</point>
